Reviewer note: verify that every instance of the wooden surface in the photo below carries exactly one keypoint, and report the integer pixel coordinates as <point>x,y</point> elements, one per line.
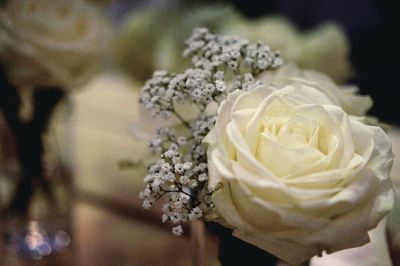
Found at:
<point>106,233</point>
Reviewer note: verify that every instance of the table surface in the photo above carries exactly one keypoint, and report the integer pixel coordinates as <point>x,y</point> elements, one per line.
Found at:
<point>107,232</point>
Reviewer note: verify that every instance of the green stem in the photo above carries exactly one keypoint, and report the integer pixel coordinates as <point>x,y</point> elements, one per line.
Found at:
<point>184,122</point>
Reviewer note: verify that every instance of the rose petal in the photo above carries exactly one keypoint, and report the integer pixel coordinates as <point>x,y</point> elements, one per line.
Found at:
<point>223,118</point>
<point>283,161</point>
<point>269,215</point>
<point>272,189</point>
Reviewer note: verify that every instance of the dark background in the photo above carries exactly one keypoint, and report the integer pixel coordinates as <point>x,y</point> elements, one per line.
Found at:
<point>372,28</point>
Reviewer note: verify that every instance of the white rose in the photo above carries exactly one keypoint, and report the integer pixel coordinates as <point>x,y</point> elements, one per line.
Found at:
<point>294,174</point>
<point>51,42</point>
<point>344,96</point>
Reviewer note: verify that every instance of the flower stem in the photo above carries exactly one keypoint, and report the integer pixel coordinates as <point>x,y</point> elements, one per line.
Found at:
<point>184,122</point>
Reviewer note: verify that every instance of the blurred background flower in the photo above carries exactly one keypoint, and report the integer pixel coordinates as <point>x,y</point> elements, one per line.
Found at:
<point>155,41</point>
<point>52,43</point>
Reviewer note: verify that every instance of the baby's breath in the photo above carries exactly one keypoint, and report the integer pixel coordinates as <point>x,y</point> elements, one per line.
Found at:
<point>222,64</point>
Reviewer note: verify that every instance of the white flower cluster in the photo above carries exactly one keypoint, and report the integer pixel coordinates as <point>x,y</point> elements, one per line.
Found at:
<point>201,126</point>
<point>211,51</point>
<point>214,58</point>
<point>181,174</point>
<point>198,86</point>
<point>177,179</point>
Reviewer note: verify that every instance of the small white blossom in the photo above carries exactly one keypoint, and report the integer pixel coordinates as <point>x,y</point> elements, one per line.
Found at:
<point>196,93</point>
<point>176,160</point>
<point>141,195</point>
<point>209,88</point>
<point>156,141</point>
<point>220,86</point>
<point>191,83</point>
<point>174,197</point>
<point>166,167</point>
<point>181,141</point>
<point>170,177</point>
<point>148,178</point>
<point>179,168</point>
<point>173,147</point>
<point>194,184</point>
<point>166,207</point>
<point>219,75</point>
<point>164,218</point>
<point>185,198</point>
<point>195,213</point>
<point>177,230</point>
<point>146,192</point>
<point>184,180</point>
<point>156,184</point>
<point>176,217</point>
<point>170,153</point>
<point>203,177</point>
<point>187,165</point>
<point>262,64</point>
<point>203,166</point>
<point>233,64</point>
<point>146,204</point>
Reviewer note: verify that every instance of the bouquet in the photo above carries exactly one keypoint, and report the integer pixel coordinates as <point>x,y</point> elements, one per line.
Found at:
<point>280,155</point>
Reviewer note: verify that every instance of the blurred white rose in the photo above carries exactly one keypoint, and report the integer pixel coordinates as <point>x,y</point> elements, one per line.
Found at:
<point>154,38</point>
<point>325,49</point>
<point>294,174</point>
<point>344,96</point>
<point>276,32</point>
<point>134,45</point>
<point>168,54</point>
<point>52,42</point>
